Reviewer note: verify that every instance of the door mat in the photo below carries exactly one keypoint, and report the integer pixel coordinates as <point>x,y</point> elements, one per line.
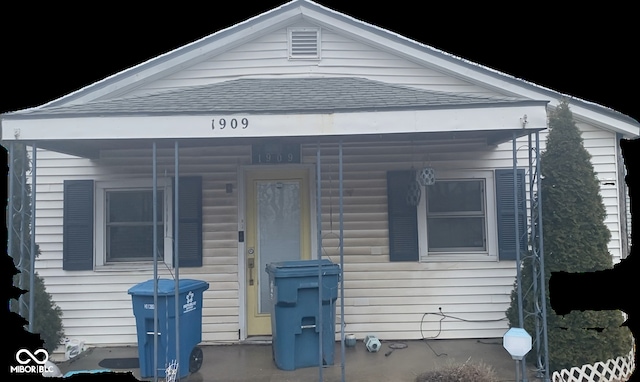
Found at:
<point>120,363</point>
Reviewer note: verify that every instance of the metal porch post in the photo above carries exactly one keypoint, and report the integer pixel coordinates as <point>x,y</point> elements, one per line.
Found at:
<point>543,291</point>
<point>10,230</point>
<point>518,261</point>
<point>22,305</point>
<point>155,264</point>
<point>319,238</point>
<point>534,260</point>
<point>32,265</point>
<point>176,254</point>
<point>340,192</point>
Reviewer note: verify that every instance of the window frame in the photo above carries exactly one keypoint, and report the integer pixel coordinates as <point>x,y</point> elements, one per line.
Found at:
<point>100,245</point>
<point>490,224</point>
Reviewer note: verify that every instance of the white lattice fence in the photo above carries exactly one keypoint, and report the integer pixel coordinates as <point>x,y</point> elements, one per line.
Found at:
<point>618,369</point>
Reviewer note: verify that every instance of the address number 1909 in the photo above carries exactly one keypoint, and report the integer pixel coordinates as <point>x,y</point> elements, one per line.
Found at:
<point>233,123</point>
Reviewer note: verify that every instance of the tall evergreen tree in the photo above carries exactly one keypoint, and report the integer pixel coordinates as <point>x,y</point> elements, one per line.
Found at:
<point>575,240</point>
<point>47,317</point>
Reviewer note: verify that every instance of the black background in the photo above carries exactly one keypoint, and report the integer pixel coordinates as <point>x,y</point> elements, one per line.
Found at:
<point>48,50</point>
<point>588,52</point>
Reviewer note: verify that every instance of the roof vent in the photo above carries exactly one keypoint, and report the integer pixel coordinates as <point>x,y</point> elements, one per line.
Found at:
<point>304,43</point>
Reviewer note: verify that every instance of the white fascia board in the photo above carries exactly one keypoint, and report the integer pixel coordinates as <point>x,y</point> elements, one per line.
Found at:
<point>277,125</point>
<point>136,75</point>
<point>482,76</point>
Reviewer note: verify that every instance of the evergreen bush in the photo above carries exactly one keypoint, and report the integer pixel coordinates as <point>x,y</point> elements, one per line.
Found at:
<point>575,240</point>
<point>47,316</point>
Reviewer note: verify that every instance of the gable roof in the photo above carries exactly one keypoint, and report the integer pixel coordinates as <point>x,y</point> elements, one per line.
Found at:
<point>278,95</point>
<point>237,34</point>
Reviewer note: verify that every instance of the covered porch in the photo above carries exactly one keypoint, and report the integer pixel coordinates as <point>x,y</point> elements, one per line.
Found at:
<point>346,151</point>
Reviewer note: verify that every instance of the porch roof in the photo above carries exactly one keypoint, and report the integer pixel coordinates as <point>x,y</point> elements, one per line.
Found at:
<point>296,108</point>
<point>275,96</point>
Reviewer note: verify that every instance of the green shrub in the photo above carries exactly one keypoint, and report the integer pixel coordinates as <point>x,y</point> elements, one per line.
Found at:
<point>575,240</point>
<point>47,316</point>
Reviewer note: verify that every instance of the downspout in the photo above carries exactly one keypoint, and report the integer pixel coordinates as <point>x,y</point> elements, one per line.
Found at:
<point>622,199</point>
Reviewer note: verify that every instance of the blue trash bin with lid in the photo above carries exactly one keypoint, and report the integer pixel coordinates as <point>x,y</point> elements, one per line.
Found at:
<point>295,316</point>
<point>190,324</point>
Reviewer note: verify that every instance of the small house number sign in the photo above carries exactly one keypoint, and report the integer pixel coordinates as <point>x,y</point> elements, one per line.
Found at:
<point>229,123</point>
<point>275,153</point>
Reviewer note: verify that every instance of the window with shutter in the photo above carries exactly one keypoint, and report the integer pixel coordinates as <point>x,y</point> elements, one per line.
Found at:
<point>124,232</point>
<point>454,220</point>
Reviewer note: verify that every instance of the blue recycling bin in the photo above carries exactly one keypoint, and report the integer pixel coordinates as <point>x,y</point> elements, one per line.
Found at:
<point>190,325</point>
<point>295,316</point>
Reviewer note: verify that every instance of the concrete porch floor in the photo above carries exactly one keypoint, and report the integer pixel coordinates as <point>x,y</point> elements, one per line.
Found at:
<point>254,362</point>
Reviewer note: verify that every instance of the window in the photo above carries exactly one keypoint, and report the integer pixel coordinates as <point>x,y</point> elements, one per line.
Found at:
<point>124,222</point>
<point>465,215</point>
<point>109,224</point>
<point>456,218</point>
<point>129,225</point>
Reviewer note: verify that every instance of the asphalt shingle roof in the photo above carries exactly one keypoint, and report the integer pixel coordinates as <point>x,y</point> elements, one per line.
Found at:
<point>275,95</point>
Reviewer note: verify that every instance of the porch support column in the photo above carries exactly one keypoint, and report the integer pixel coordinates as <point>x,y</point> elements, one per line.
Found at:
<point>10,230</point>
<point>319,238</point>
<point>543,291</point>
<point>341,207</point>
<point>32,265</point>
<point>22,305</point>
<point>155,263</point>
<point>518,261</point>
<point>176,261</point>
<point>537,298</point>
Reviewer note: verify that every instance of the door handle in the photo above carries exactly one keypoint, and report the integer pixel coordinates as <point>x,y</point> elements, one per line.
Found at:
<point>251,264</point>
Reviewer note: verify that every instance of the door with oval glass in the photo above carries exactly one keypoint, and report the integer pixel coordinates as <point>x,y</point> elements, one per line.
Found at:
<point>278,229</point>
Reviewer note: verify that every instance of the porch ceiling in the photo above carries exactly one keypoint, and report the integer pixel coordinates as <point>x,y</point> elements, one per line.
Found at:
<point>309,108</point>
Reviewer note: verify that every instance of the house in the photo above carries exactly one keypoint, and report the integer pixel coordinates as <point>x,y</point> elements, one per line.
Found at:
<point>252,123</point>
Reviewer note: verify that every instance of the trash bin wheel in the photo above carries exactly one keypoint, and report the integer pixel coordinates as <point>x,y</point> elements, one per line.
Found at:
<point>195,360</point>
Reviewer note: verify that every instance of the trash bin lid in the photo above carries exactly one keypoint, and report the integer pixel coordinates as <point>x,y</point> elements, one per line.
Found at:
<point>167,287</point>
<point>299,268</point>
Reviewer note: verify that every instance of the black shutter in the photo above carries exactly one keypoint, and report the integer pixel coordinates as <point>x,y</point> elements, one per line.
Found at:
<point>506,214</point>
<point>77,225</point>
<point>189,222</point>
<point>403,220</point>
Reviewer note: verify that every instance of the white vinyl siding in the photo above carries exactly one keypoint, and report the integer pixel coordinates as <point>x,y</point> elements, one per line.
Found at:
<point>86,297</point>
<point>386,297</point>
<point>601,145</point>
<point>340,56</point>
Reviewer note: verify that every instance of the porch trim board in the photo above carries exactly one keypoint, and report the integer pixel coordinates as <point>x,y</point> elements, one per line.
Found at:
<point>284,125</point>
